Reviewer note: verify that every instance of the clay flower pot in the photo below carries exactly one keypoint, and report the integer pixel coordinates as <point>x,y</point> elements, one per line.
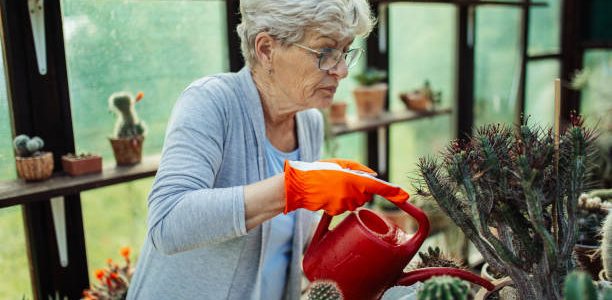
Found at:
<point>417,101</point>
<point>337,113</point>
<point>127,151</point>
<point>35,168</point>
<point>76,165</point>
<point>370,100</point>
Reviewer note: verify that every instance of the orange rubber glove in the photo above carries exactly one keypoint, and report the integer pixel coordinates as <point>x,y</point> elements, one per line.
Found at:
<point>335,186</point>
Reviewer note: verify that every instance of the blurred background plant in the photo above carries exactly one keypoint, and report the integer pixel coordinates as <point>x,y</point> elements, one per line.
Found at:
<point>113,281</point>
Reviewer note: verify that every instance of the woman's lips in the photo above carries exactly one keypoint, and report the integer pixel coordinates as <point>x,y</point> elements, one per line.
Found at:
<point>331,89</point>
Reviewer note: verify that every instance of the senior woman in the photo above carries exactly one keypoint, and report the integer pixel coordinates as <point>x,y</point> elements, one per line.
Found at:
<point>226,217</point>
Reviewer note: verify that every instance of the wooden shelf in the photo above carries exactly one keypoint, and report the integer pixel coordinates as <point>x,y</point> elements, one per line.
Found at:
<point>15,192</point>
<point>385,119</point>
<point>469,2</point>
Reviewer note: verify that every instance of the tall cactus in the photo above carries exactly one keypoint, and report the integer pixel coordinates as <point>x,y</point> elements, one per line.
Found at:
<point>606,246</point>
<point>128,125</point>
<point>510,181</point>
<point>444,288</point>
<point>324,290</point>
<point>26,146</point>
<point>578,285</point>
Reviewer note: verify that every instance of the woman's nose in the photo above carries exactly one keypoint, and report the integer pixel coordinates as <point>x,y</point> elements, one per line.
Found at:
<point>340,70</point>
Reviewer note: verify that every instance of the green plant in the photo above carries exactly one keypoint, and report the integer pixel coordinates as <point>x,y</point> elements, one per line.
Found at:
<point>324,290</point>
<point>590,215</point>
<point>520,185</point>
<point>127,125</point>
<point>606,246</point>
<point>113,281</point>
<point>578,285</point>
<point>434,258</point>
<point>370,76</point>
<point>444,288</point>
<point>26,146</point>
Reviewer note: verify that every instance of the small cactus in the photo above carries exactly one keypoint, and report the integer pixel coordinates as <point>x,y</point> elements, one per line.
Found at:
<point>578,285</point>
<point>435,258</point>
<point>324,290</point>
<point>606,246</point>
<point>444,288</point>
<point>26,146</point>
<point>128,125</point>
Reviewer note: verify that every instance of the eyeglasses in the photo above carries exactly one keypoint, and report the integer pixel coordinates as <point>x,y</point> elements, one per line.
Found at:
<point>329,58</point>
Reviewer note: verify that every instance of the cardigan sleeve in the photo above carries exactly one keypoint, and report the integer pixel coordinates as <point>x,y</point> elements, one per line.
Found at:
<point>185,212</point>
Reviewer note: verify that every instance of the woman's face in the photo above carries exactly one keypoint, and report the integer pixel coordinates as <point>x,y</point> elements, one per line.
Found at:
<point>297,75</point>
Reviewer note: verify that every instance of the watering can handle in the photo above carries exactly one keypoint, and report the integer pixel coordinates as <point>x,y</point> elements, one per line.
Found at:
<point>322,228</point>
<point>423,274</point>
<point>414,243</point>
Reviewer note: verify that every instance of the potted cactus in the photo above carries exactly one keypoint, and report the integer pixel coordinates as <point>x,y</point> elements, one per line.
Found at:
<point>84,163</point>
<point>32,164</point>
<point>129,130</point>
<point>370,96</point>
<point>324,290</point>
<point>444,287</point>
<point>511,181</point>
<point>606,250</point>
<point>590,215</point>
<point>422,99</point>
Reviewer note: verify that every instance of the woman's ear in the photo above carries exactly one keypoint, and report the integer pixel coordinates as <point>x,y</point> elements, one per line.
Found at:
<point>264,45</point>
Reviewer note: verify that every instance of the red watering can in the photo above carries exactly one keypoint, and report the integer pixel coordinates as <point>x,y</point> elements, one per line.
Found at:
<point>365,255</point>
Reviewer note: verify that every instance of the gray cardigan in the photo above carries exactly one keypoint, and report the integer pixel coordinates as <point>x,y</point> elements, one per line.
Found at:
<point>197,246</point>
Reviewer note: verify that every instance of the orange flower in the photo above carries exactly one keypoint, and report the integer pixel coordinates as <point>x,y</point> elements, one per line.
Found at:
<point>99,274</point>
<point>109,261</point>
<point>139,96</point>
<point>125,252</point>
<point>114,275</point>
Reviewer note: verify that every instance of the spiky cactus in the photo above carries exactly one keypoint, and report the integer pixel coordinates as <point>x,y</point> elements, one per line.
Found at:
<point>26,146</point>
<point>578,285</point>
<point>606,246</point>
<point>434,258</point>
<point>444,288</point>
<point>324,290</point>
<point>590,215</point>
<point>128,125</point>
<point>511,181</point>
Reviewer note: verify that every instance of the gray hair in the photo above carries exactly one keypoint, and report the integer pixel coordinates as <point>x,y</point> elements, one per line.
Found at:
<point>287,21</point>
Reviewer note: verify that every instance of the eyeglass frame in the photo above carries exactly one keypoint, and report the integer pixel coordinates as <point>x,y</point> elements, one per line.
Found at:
<point>321,55</point>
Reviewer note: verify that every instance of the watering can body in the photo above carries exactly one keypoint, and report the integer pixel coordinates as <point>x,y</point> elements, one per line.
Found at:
<point>365,255</point>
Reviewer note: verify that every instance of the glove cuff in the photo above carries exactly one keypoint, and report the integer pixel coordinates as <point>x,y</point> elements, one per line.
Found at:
<point>293,189</point>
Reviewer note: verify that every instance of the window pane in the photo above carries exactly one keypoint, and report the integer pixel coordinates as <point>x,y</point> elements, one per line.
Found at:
<point>114,217</point>
<point>157,47</point>
<point>422,46</point>
<point>540,93</point>
<point>544,27</point>
<point>596,96</point>
<point>7,158</point>
<point>495,91</point>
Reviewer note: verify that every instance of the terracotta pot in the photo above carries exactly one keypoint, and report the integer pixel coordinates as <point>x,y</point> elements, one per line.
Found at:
<point>370,100</point>
<point>337,113</point>
<point>416,102</point>
<point>589,259</point>
<point>35,168</point>
<point>76,166</point>
<point>127,151</point>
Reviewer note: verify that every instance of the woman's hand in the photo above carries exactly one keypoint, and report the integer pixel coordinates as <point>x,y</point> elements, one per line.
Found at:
<point>334,186</point>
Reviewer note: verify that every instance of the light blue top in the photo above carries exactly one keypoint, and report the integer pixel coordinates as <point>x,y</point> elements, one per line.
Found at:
<point>197,245</point>
<point>278,253</point>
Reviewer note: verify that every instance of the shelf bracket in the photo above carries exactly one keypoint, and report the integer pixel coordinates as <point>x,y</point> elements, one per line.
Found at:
<point>59,223</point>
<point>37,21</point>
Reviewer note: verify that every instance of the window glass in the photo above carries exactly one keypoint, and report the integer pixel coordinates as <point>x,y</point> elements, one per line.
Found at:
<point>596,94</point>
<point>421,46</point>
<point>496,49</point>
<point>13,254</point>
<point>544,27</point>
<point>540,91</point>
<point>156,47</point>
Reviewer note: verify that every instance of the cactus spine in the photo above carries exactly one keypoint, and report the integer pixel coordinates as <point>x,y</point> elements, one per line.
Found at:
<point>128,125</point>
<point>606,246</point>
<point>324,290</point>
<point>26,146</point>
<point>578,285</point>
<point>508,180</point>
<point>444,288</point>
